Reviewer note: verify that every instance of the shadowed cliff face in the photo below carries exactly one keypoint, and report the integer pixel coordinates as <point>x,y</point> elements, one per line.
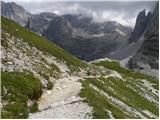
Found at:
<point>141,23</point>
<point>15,12</point>
<point>148,54</point>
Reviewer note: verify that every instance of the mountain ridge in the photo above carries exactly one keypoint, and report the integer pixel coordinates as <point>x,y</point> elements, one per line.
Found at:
<point>112,34</point>
<point>147,57</point>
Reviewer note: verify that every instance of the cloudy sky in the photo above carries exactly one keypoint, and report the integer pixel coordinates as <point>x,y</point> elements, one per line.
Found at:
<point>124,12</point>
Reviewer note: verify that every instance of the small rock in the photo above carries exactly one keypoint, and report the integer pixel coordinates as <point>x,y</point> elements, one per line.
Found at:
<point>10,63</point>
<point>49,92</point>
<point>5,90</point>
<point>58,88</point>
<point>29,103</point>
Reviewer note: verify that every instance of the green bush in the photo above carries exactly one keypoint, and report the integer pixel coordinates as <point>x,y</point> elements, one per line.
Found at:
<point>20,88</point>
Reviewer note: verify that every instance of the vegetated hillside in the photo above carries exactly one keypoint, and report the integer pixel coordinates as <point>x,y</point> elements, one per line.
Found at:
<point>27,57</point>
<point>128,94</point>
<point>54,84</point>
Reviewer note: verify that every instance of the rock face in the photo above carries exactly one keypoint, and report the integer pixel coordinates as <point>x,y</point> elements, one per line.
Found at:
<point>86,23</point>
<point>85,39</point>
<point>139,28</point>
<point>77,34</point>
<point>39,22</point>
<point>15,12</point>
<point>147,58</point>
<point>58,29</point>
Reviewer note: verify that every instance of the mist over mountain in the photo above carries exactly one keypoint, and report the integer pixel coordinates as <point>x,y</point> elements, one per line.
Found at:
<point>77,34</point>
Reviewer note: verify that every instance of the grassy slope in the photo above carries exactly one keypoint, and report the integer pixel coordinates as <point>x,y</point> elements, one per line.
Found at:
<point>127,73</point>
<point>17,89</point>
<point>99,102</point>
<point>41,43</point>
<point>128,91</point>
<point>21,87</point>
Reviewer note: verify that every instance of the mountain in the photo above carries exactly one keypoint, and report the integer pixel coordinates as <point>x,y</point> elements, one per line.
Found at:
<point>135,40</point>
<point>15,12</point>
<point>39,22</point>
<point>68,32</point>
<point>41,80</point>
<point>147,58</point>
<point>86,23</point>
<point>141,23</point>
<point>77,34</point>
<point>100,39</point>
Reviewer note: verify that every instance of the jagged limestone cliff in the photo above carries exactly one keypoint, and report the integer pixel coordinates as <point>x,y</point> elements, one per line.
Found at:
<point>147,58</point>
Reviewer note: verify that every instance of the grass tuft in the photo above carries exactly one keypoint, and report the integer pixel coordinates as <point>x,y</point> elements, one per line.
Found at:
<point>17,89</point>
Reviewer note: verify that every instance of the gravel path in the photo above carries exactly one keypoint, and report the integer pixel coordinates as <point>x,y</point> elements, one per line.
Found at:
<point>63,101</point>
<point>64,88</point>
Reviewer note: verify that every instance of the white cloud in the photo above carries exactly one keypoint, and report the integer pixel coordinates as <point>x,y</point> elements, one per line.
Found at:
<point>123,12</point>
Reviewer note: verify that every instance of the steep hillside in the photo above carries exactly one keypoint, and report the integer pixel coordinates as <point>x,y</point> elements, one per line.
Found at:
<point>128,94</point>
<point>54,84</point>
<point>27,57</point>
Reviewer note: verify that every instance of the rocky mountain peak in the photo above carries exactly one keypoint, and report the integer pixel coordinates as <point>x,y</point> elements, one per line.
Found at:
<point>147,58</point>
<point>140,26</point>
<point>14,12</point>
<point>58,28</point>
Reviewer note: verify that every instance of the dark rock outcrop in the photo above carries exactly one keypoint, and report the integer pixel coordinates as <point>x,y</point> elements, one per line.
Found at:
<point>139,28</point>
<point>147,57</point>
<point>39,22</point>
<point>15,12</point>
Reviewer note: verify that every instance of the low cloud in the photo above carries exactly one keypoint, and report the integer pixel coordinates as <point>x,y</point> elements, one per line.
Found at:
<point>123,12</point>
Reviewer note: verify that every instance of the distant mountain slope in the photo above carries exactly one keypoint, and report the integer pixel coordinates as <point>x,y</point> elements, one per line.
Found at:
<point>39,22</point>
<point>135,40</point>
<point>127,50</point>
<point>15,12</point>
<point>77,34</point>
<point>87,24</point>
<point>147,58</point>
<point>53,84</point>
<point>88,40</point>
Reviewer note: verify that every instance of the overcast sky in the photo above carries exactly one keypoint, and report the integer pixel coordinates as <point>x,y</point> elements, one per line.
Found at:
<point>124,12</point>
